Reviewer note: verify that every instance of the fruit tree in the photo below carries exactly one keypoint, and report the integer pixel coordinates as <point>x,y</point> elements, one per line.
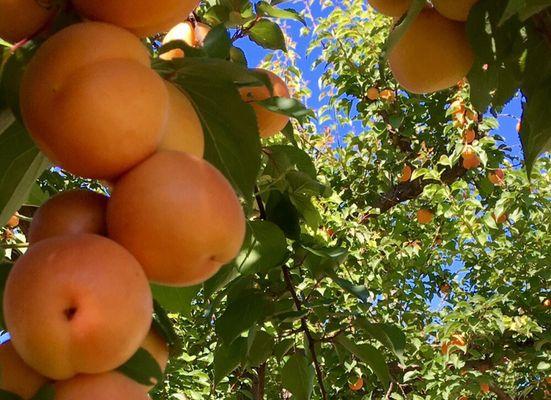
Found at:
<point>266,199</point>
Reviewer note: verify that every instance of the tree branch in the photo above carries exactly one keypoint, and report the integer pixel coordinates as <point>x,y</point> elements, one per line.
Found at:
<point>305,329</point>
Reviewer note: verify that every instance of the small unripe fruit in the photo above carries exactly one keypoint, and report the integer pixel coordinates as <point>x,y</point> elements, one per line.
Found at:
<point>71,212</point>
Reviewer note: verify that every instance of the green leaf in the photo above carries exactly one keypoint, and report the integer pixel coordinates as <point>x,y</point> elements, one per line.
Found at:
<point>21,163</point>
<point>536,126</point>
<point>369,355</point>
<point>268,35</point>
<point>217,42</point>
<point>142,368</point>
<point>265,9</point>
<point>282,347</point>
<point>297,376</point>
<point>281,211</point>
<point>46,392</point>
<point>10,78</point>
<point>174,299</point>
<point>163,326</point>
<point>228,357</point>
<point>5,395</point>
<point>265,248</point>
<point>358,291</point>
<point>390,336</point>
<point>261,348</point>
<point>240,315</point>
<point>231,133</point>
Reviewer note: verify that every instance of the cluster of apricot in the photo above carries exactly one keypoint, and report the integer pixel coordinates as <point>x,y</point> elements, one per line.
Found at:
<point>78,303</point>
<point>434,53</point>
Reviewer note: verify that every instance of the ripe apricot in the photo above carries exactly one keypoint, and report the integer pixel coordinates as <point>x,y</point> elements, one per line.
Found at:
<point>458,340</point>
<point>469,136</point>
<point>269,122</point>
<point>432,55</point>
<point>407,171</point>
<point>497,177</point>
<point>390,8</point>
<point>110,385</point>
<point>157,347</point>
<point>388,95</point>
<point>17,377</point>
<point>470,158</point>
<point>373,93</point>
<point>484,388</point>
<point>71,212</point>
<point>20,19</point>
<point>143,17</point>
<point>94,110</point>
<point>457,10</point>
<point>13,222</point>
<point>183,131</point>
<point>547,303</point>
<point>500,219</point>
<point>445,288</point>
<point>193,36</point>
<point>457,107</point>
<point>77,304</point>
<point>356,385</point>
<point>424,216</point>
<point>199,222</point>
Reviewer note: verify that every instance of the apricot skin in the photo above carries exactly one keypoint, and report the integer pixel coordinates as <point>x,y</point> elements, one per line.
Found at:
<point>71,212</point>
<point>16,376</point>
<point>391,8</point>
<point>183,131</point>
<point>143,17</point>
<point>94,110</point>
<point>269,122</point>
<point>198,225</point>
<point>77,304</point>
<point>20,19</point>
<point>106,386</point>
<point>457,10</point>
<point>157,347</point>
<point>193,36</point>
<point>432,55</point>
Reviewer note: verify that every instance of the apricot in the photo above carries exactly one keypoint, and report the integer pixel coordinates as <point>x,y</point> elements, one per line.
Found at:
<point>458,340</point>
<point>111,385</point>
<point>71,212</point>
<point>20,19</point>
<point>373,93</point>
<point>17,377</point>
<point>432,55</point>
<point>356,385</point>
<point>470,159</point>
<point>484,388</point>
<point>199,223</point>
<point>406,174</point>
<point>157,347</point>
<point>94,110</point>
<point>457,10</point>
<point>445,288</point>
<point>193,35</point>
<point>143,17</point>
<point>547,303</point>
<point>391,8</point>
<point>77,304</point>
<point>269,122</point>
<point>457,107</point>
<point>497,177</point>
<point>183,131</point>
<point>388,95</point>
<point>500,219</point>
<point>13,222</point>
<point>469,136</point>
<point>424,216</point>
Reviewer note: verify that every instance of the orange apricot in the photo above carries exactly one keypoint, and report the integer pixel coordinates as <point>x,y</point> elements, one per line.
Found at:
<point>390,8</point>
<point>547,303</point>
<point>424,216</point>
<point>17,377</point>
<point>77,304</point>
<point>500,219</point>
<point>432,55</point>
<point>497,177</point>
<point>71,212</point>
<point>470,158</point>
<point>193,205</point>
<point>183,131</point>
<point>193,35</point>
<point>457,10</point>
<point>445,288</point>
<point>94,110</point>
<point>157,347</point>
<point>388,95</point>
<point>469,136</point>
<point>109,385</point>
<point>484,388</point>
<point>407,171</point>
<point>20,19</point>
<point>269,122</point>
<point>13,222</point>
<point>373,93</point>
<point>143,17</point>
<point>357,385</point>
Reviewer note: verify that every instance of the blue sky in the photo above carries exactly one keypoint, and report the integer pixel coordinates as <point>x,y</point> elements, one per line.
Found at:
<point>508,118</point>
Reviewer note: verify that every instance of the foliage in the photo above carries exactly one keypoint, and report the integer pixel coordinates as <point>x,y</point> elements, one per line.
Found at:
<point>336,278</point>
